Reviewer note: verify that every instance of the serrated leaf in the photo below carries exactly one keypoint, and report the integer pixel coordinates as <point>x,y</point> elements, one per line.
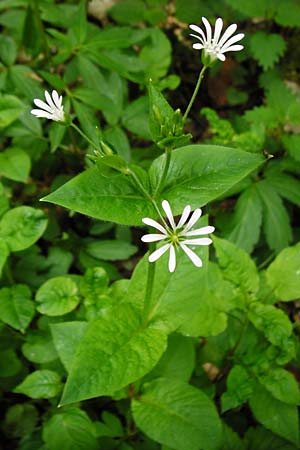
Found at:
<point>282,385</point>
<point>57,296</point>
<point>247,219</point>
<point>239,388</point>
<point>71,429</point>
<point>116,350</point>
<point>15,164</point>
<point>178,415</point>
<point>276,220</point>
<point>16,306</point>
<point>286,186</point>
<point>283,275</point>
<point>237,266</point>
<point>40,384</point>
<point>275,415</point>
<point>267,48</point>
<point>22,226</point>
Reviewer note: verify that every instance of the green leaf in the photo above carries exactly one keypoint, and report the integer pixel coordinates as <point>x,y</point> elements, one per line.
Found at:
<point>110,250</point>
<point>260,437</point>
<point>8,50</point>
<point>283,275</point>
<point>282,385</point>
<point>22,226</point>
<point>10,109</point>
<point>199,174</point>
<point>115,199</point>
<point>160,112</point>
<point>116,350</point>
<point>128,11</point>
<point>286,186</point>
<point>20,419</point>
<point>39,347</point>
<point>267,48</point>
<point>4,252</point>
<point>57,296</point>
<point>239,388</point>
<point>237,266</point>
<point>178,415</point>
<point>136,117</point>
<point>15,164</point>
<point>10,365</point>
<point>16,308</point>
<point>71,429</point>
<point>247,219</point>
<point>292,144</point>
<point>66,338</point>
<point>276,220</point>
<point>40,384</point>
<point>79,25</point>
<point>271,321</point>
<point>275,415</point>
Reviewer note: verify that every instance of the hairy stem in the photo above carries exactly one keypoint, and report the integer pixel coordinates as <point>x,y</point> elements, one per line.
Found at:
<point>84,135</point>
<point>201,75</point>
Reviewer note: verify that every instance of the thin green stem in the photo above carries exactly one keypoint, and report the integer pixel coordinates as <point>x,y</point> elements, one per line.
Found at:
<point>148,292</point>
<point>165,170</point>
<point>201,75</point>
<point>84,135</point>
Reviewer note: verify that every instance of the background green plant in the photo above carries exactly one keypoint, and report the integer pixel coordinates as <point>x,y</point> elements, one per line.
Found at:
<point>228,378</point>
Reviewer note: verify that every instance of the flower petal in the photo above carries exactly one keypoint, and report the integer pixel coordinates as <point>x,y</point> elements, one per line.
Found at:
<point>184,216</point>
<point>199,231</point>
<point>172,259</point>
<point>153,237</point>
<point>195,216</point>
<point>40,113</point>
<point>200,241</point>
<point>197,37</point>
<point>198,46</point>
<point>158,253</point>
<point>229,32</point>
<point>231,41</point>
<point>167,208</point>
<point>56,100</point>
<point>42,105</point>
<point>218,30</point>
<point>198,30</point>
<point>208,29</point>
<point>154,224</point>
<point>192,255</point>
<point>233,48</point>
<point>49,100</point>
<point>221,57</point>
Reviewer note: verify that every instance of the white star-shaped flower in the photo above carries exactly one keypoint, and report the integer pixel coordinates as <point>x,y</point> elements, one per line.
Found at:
<point>52,110</point>
<point>214,46</point>
<point>177,236</point>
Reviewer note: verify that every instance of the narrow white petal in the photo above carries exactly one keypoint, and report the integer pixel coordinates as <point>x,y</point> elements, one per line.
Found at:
<point>200,241</point>
<point>218,29</point>
<point>40,113</point>
<point>221,57</point>
<point>184,216</point>
<point>232,40</point>
<point>42,105</point>
<point>154,224</point>
<point>208,29</point>
<point>55,98</point>
<point>198,46</point>
<point>158,253</point>
<point>192,255</point>
<point>167,208</point>
<point>197,37</point>
<point>172,259</point>
<point>229,32</point>
<point>233,48</point>
<point>153,237</point>
<point>198,30</point>
<point>195,216</point>
<point>199,231</point>
<point>49,100</point>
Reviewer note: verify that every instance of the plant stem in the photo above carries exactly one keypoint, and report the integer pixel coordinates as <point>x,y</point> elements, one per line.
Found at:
<point>84,135</point>
<point>148,291</point>
<point>201,75</point>
<point>165,170</point>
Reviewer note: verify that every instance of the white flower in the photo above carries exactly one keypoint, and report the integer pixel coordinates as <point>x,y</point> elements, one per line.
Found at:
<point>213,46</point>
<point>177,236</point>
<point>52,110</point>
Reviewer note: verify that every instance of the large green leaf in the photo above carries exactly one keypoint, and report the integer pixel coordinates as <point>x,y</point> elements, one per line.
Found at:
<point>199,174</point>
<point>116,350</point>
<point>116,198</point>
<point>178,415</point>
<point>283,275</point>
<point>275,415</point>
<point>22,226</point>
<point>71,429</point>
<point>282,385</point>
